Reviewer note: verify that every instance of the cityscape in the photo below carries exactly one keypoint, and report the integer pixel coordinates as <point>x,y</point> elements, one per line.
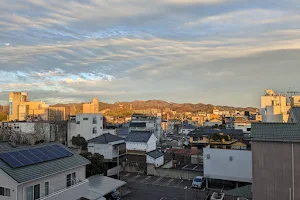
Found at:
<point>126,152</point>
<point>151,100</point>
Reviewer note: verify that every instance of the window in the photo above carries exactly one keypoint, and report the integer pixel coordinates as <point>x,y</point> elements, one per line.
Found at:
<point>248,129</point>
<point>33,192</point>
<point>4,192</point>
<point>195,139</point>
<point>78,122</point>
<point>94,120</point>
<point>71,179</point>
<point>86,118</point>
<point>94,130</point>
<point>46,188</point>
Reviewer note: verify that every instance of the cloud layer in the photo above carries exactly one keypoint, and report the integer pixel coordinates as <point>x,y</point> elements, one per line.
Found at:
<point>213,51</point>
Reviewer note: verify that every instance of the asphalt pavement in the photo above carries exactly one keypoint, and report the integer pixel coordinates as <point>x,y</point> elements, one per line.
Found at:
<point>160,188</point>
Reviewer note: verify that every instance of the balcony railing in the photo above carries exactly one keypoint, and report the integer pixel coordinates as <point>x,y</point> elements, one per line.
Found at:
<point>73,192</point>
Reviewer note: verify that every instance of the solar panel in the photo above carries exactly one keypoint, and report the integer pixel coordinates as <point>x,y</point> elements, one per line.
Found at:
<point>35,155</point>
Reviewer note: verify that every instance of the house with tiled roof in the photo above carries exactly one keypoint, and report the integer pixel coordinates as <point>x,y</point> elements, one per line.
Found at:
<point>276,161</point>
<point>45,172</point>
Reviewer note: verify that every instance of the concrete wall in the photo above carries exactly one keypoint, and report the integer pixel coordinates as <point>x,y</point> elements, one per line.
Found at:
<point>85,126</point>
<point>272,170</point>
<point>172,173</point>
<point>57,182</point>
<point>243,127</point>
<point>225,164</point>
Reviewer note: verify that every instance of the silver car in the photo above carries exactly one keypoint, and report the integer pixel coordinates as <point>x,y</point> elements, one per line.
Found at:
<point>198,182</point>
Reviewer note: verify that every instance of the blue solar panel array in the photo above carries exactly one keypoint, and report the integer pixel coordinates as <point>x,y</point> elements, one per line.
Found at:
<point>35,155</point>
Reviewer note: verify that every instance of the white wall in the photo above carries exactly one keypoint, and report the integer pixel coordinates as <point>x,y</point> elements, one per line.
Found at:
<point>151,144</point>
<point>104,149</point>
<point>57,182</point>
<point>219,166</point>
<point>7,182</point>
<point>84,128</point>
<point>157,162</point>
<point>243,127</point>
<point>139,146</point>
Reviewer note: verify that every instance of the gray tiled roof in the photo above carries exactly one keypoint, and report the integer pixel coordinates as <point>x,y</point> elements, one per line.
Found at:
<point>155,154</point>
<point>276,131</point>
<point>189,126</point>
<point>105,139</point>
<point>245,191</point>
<point>296,113</point>
<point>234,133</point>
<point>135,136</point>
<point>36,171</point>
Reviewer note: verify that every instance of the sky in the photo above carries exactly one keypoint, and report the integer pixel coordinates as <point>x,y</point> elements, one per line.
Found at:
<point>223,52</point>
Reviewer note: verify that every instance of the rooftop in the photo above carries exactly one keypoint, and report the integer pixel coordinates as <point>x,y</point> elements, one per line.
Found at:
<point>189,126</point>
<point>134,124</point>
<point>155,154</point>
<point>136,136</point>
<point>105,139</point>
<point>210,131</point>
<point>35,171</point>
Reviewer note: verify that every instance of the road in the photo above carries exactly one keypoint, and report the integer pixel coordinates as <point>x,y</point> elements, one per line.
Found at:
<point>159,188</point>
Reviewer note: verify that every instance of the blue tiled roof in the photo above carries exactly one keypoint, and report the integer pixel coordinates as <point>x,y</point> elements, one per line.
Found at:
<point>105,139</point>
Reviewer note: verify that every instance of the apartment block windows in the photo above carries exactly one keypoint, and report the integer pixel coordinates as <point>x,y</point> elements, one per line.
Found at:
<point>4,192</point>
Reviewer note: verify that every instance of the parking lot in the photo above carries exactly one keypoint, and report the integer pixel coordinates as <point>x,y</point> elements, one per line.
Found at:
<point>159,188</point>
<point>154,180</point>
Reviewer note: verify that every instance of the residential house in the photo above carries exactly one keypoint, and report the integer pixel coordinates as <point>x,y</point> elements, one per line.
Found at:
<point>108,145</point>
<point>155,158</point>
<point>45,172</point>
<point>202,137</point>
<point>242,123</point>
<point>213,122</point>
<point>138,144</point>
<point>187,128</point>
<point>276,164</point>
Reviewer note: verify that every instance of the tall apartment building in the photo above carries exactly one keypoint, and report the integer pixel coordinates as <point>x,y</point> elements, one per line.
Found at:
<point>20,107</point>
<point>92,107</point>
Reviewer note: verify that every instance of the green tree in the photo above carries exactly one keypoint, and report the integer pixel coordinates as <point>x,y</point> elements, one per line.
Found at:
<point>97,165</point>
<point>80,142</point>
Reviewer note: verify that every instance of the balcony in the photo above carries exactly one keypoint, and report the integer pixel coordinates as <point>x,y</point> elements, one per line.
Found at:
<point>71,193</point>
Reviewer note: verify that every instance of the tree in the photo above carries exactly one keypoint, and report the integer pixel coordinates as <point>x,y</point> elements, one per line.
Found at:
<point>97,165</point>
<point>79,141</point>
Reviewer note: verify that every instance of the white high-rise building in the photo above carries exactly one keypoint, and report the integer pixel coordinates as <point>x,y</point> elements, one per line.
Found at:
<point>274,107</point>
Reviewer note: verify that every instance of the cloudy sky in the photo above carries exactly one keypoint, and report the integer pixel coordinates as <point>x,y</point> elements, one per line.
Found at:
<point>224,52</point>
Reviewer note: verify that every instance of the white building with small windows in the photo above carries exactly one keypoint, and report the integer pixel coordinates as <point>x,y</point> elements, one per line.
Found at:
<point>88,126</point>
<point>29,174</point>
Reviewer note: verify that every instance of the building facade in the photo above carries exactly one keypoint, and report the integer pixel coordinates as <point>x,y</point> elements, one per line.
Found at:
<point>92,107</point>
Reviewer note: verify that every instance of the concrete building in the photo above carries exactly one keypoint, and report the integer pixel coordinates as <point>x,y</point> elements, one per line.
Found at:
<point>92,107</point>
<point>141,122</point>
<point>63,178</point>
<point>108,145</point>
<point>276,164</point>
<point>20,108</point>
<point>55,114</point>
<point>32,132</point>
<point>274,107</point>
<point>88,126</point>
<point>229,165</point>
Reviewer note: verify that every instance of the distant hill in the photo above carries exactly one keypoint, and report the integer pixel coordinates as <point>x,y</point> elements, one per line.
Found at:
<point>115,108</point>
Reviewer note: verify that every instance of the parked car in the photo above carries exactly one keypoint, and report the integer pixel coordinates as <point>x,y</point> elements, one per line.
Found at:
<point>198,182</point>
